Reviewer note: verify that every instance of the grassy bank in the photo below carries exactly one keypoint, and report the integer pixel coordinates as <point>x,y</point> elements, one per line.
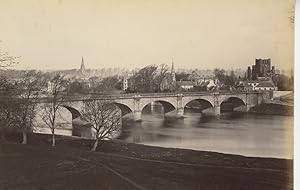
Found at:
<point>119,165</point>
<point>273,109</point>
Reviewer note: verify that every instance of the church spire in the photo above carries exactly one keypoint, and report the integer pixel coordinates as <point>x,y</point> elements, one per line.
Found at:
<point>172,68</point>
<point>173,71</point>
<point>82,66</point>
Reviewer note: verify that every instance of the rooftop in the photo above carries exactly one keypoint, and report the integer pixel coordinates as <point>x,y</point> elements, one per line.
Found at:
<point>266,84</point>
<point>185,83</point>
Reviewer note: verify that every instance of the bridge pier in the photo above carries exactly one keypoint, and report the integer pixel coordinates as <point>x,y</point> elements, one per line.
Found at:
<point>248,107</point>
<point>180,112</point>
<point>137,116</point>
<point>217,110</point>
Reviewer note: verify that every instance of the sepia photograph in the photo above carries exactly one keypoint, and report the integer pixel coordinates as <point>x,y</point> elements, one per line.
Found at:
<point>147,94</point>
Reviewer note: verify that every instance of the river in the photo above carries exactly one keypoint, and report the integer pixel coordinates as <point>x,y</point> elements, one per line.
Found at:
<point>244,134</point>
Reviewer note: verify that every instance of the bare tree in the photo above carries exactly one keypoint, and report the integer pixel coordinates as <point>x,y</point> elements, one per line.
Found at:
<point>8,106</point>
<point>104,117</point>
<point>143,80</point>
<point>194,76</point>
<point>6,60</point>
<point>161,76</point>
<point>51,109</point>
<point>29,88</point>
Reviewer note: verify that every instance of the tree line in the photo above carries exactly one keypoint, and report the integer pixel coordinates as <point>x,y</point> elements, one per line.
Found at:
<point>155,78</point>
<point>22,101</point>
<point>20,104</point>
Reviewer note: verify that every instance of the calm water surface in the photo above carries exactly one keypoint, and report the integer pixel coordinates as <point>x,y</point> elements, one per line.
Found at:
<point>245,134</point>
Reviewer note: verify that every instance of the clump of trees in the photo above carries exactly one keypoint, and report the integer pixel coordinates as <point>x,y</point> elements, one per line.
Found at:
<point>182,76</point>
<point>18,102</point>
<point>107,84</point>
<point>94,85</point>
<point>28,88</point>
<point>284,82</point>
<point>8,106</point>
<point>78,87</point>
<point>151,78</point>
<point>143,80</point>
<point>20,99</point>
<point>228,81</point>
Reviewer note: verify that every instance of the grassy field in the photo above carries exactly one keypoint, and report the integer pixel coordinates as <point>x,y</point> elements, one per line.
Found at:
<point>118,165</point>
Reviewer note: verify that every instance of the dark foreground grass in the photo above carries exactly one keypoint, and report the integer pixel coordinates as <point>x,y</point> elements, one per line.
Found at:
<point>117,165</point>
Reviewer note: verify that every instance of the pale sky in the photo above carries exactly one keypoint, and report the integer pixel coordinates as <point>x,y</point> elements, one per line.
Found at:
<point>203,34</point>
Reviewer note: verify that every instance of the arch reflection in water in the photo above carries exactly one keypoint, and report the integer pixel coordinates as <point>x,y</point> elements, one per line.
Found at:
<point>232,104</point>
<point>236,134</point>
<point>158,109</point>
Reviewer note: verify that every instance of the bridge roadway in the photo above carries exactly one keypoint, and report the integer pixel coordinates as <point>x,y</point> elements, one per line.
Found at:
<point>135,103</point>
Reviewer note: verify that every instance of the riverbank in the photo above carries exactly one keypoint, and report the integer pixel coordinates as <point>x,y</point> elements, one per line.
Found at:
<point>119,165</point>
<point>273,109</point>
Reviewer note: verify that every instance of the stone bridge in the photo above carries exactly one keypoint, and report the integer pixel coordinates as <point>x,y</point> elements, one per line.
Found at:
<point>135,103</point>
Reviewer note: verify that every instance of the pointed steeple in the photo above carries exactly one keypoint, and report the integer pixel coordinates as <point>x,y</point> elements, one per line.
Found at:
<point>82,66</point>
<point>173,71</point>
<point>172,68</point>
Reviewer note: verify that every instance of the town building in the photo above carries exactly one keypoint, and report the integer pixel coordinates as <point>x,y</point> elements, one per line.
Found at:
<point>125,83</point>
<point>265,86</point>
<point>261,77</point>
<point>186,85</point>
<point>251,84</point>
<point>244,86</point>
<point>212,83</point>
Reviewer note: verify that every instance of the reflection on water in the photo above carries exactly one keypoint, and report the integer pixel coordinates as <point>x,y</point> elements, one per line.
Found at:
<point>245,134</point>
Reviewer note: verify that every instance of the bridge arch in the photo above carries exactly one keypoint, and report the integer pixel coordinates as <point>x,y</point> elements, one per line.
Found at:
<point>77,123</point>
<point>204,103</point>
<point>125,109</point>
<point>75,107</point>
<point>187,100</point>
<point>229,98</point>
<point>75,113</point>
<point>167,105</point>
<point>230,103</point>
